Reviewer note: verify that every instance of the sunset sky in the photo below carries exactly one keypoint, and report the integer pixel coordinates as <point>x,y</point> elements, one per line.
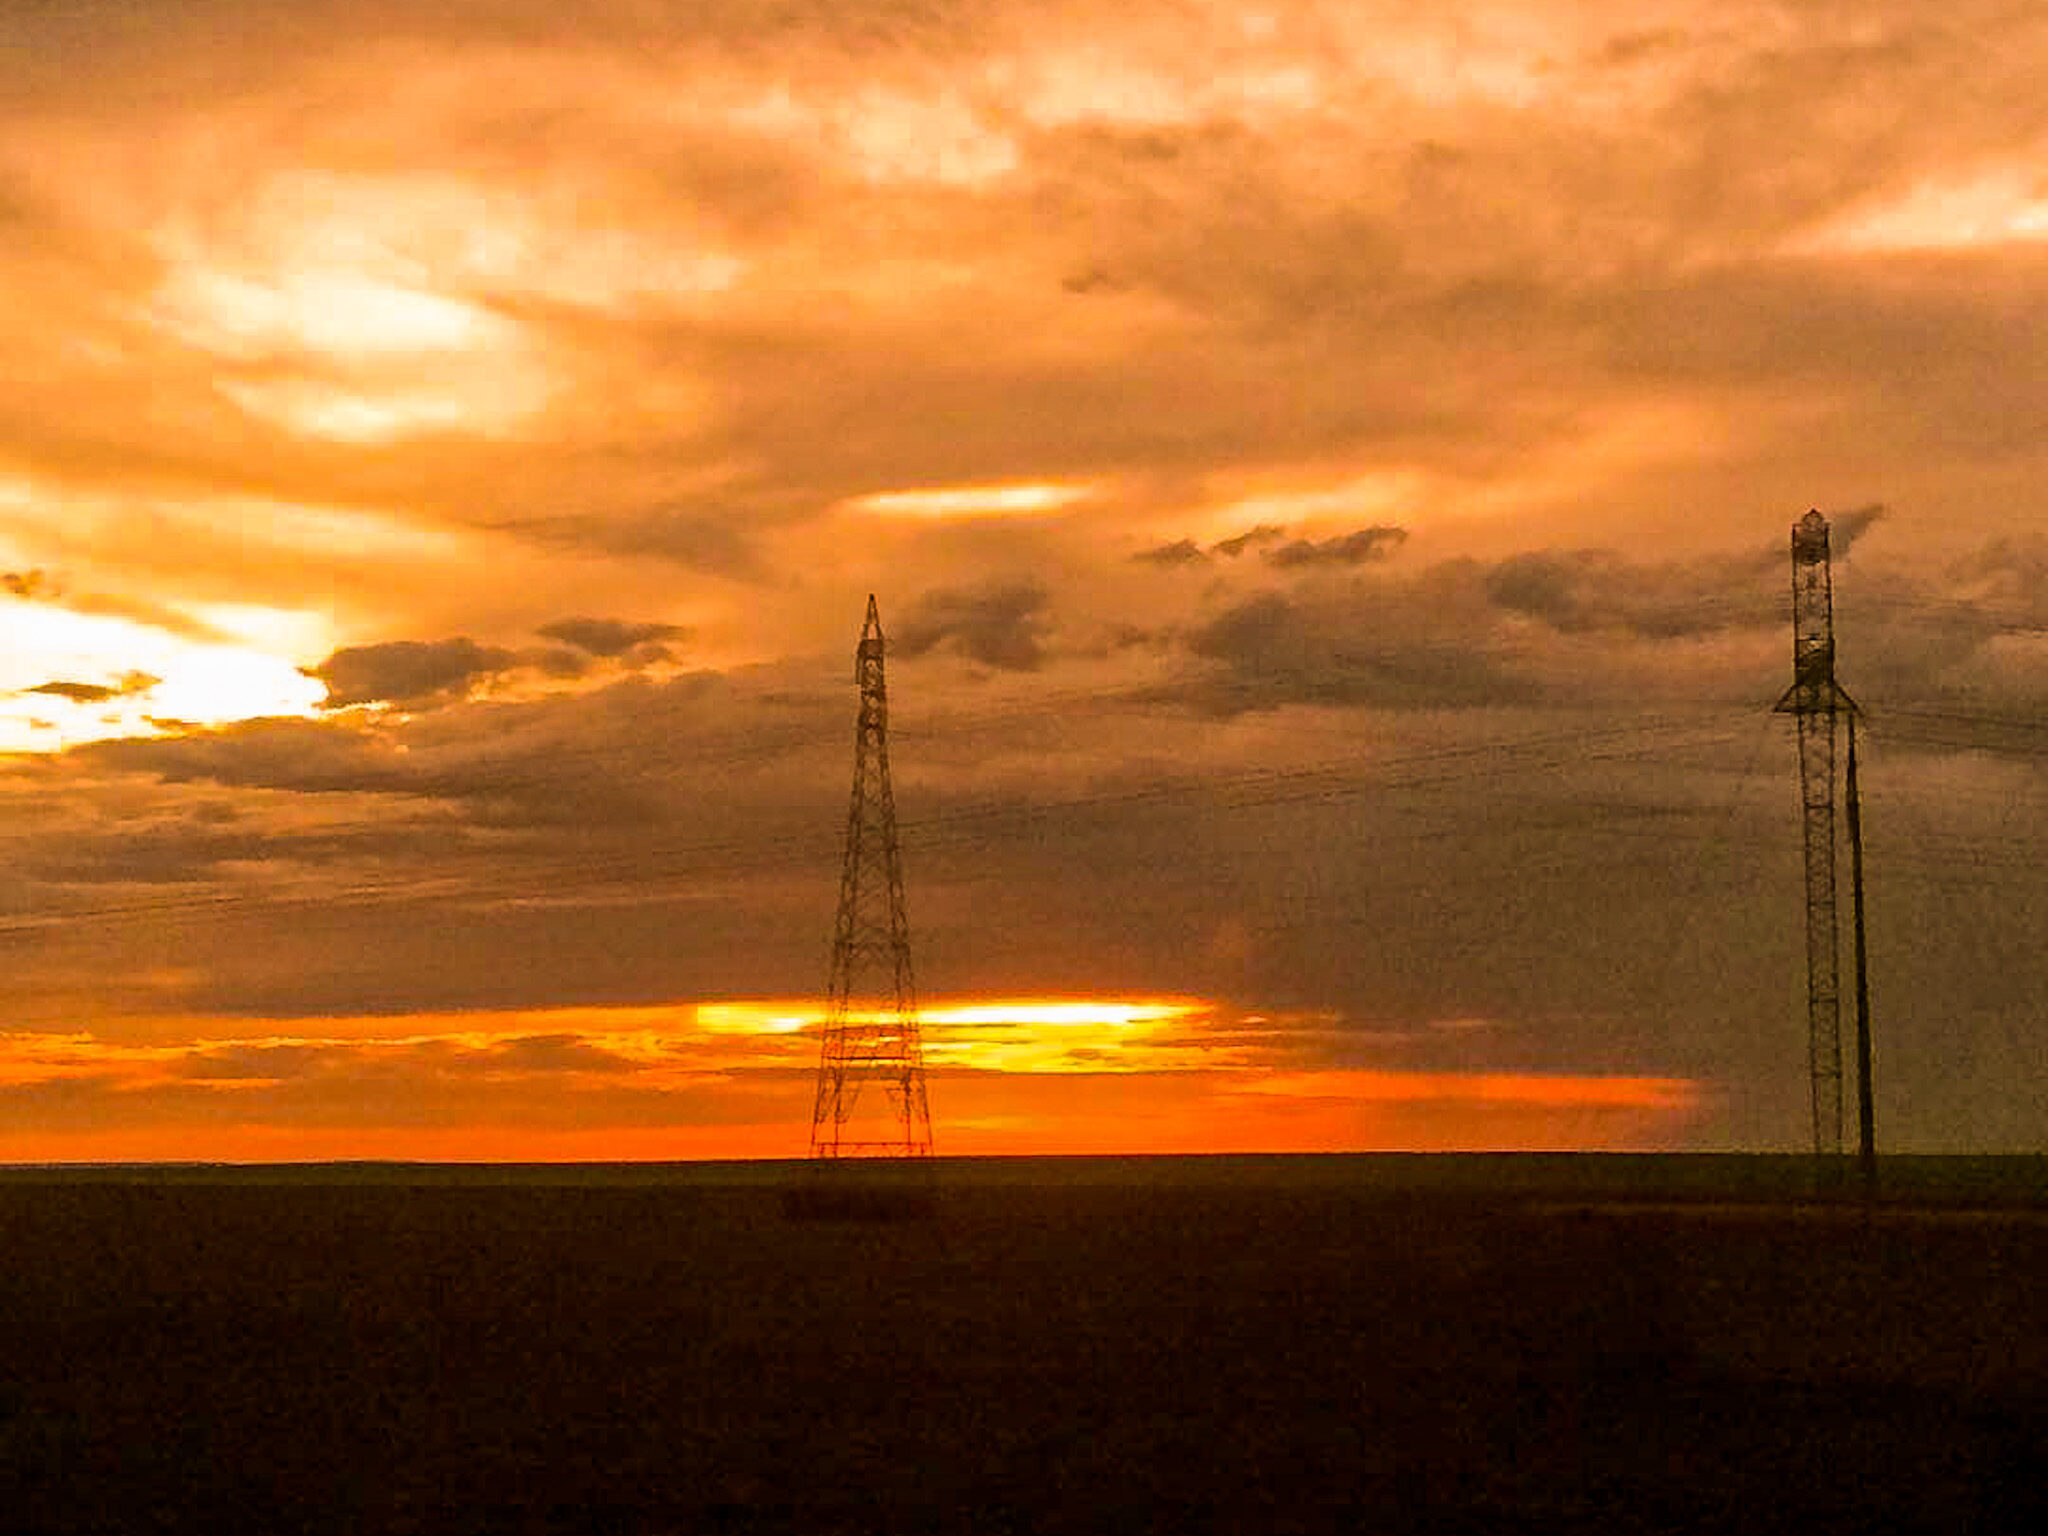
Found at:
<point>1325,468</point>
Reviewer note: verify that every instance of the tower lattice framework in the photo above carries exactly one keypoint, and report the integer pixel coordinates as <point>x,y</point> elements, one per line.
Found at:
<point>871,1093</point>
<point>1818,702</point>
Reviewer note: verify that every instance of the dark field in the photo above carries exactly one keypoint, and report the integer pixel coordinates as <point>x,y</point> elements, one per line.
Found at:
<point>1177,1345</point>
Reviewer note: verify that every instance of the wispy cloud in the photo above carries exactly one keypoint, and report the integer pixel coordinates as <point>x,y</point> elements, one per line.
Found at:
<point>1325,475</point>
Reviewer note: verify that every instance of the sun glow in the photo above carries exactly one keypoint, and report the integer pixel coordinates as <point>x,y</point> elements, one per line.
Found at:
<point>1093,1035</point>
<point>972,500</point>
<point>756,1018</point>
<point>101,675</point>
<point>1010,1035</point>
<point>732,1078</point>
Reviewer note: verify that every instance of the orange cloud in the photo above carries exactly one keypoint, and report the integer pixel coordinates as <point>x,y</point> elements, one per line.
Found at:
<point>733,1080</point>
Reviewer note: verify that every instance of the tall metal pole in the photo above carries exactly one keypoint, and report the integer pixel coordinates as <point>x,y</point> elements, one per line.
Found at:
<point>872,1036</point>
<point>1866,1112</point>
<point>1814,700</point>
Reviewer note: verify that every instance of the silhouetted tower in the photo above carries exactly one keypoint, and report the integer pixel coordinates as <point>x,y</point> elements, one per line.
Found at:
<point>871,1031</point>
<point>1816,700</point>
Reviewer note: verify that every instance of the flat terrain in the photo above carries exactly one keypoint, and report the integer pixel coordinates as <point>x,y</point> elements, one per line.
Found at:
<point>1172,1345</point>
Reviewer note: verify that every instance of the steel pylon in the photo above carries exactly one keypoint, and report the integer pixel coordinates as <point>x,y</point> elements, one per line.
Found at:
<point>1817,701</point>
<point>871,1094</point>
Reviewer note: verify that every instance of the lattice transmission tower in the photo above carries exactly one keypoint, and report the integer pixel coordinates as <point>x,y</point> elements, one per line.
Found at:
<point>1817,701</point>
<point>871,1094</point>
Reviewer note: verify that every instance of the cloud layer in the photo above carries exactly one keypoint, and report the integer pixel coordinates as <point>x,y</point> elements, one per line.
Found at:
<point>1325,474</point>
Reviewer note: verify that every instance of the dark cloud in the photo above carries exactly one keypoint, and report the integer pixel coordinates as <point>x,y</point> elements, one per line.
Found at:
<point>1000,624</point>
<point>297,756</point>
<point>214,844</point>
<point>712,539</point>
<point>550,1053</point>
<point>130,684</point>
<point>77,693</point>
<point>1263,533</point>
<point>1630,48</point>
<point>1542,586</point>
<point>564,663</point>
<point>1355,548</point>
<point>1847,528</point>
<point>410,673</point>
<point>1587,591</point>
<point>1090,280</point>
<point>583,767</point>
<point>256,1063</point>
<point>1359,651</point>
<point>614,637</point>
<point>517,1056</point>
<point>1344,549</point>
<point>1179,552</point>
<point>2008,575</point>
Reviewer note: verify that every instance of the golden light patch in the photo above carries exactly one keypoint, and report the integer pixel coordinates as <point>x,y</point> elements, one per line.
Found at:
<point>1010,1035</point>
<point>360,299</point>
<point>146,673</point>
<point>1059,1035</point>
<point>1088,1014</point>
<point>1374,495</point>
<point>275,631</point>
<point>216,684</point>
<point>756,1018</point>
<point>368,415</point>
<point>972,500</point>
<point>341,314</point>
<point>1994,208</point>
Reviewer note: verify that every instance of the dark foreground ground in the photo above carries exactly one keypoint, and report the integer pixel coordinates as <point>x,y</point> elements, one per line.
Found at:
<point>1118,1348</point>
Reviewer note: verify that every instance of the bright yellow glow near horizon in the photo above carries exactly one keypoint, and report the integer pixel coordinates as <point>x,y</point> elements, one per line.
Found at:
<point>1115,1014</point>
<point>1033,1035</point>
<point>764,1018</point>
<point>1086,1035</point>
<point>972,500</point>
<point>732,1080</point>
<point>1010,1035</point>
